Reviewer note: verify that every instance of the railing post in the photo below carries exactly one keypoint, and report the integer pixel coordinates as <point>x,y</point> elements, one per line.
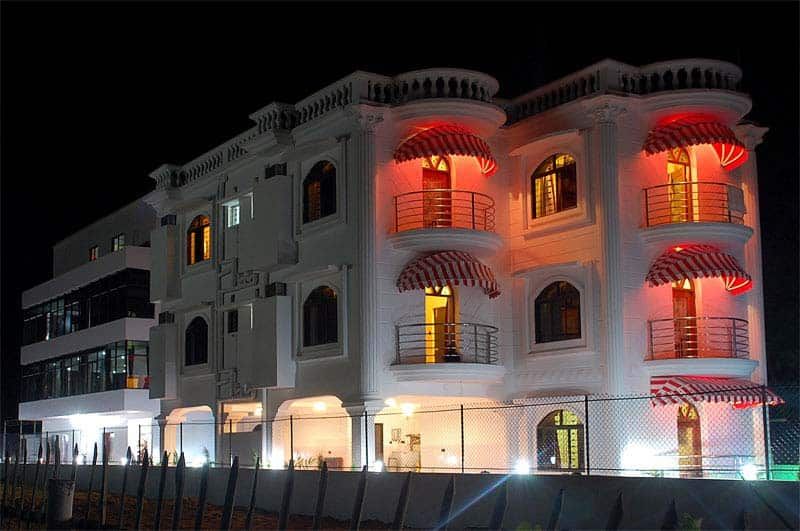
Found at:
<point>366,440</point>
<point>462,438</point>
<point>646,209</point>
<point>230,442</point>
<point>472,194</point>
<point>475,334</point>
<point>650,339</point>
<point>396,220</point>
<point>139,445</point>
<point>181,433</point>
<point>765,422</point>
<point>586,430</point>
<point>397,343</point>
<point>732,332</point>
<point>291,438</point>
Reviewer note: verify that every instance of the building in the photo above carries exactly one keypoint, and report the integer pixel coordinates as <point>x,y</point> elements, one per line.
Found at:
<point>85,341</point>
<point>389,245</point>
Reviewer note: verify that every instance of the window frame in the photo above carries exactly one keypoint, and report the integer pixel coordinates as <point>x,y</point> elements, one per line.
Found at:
<point>557,173</point>
<point>334,201</point>
<point>94,253</point>
<point>335,154</point>
<point>118,242</point>
<point>186,329</point>
<point>537,321</point>
<point>232,316</point>
<point>232,220</point>
<point>197,234</point>
<point>303,285</point>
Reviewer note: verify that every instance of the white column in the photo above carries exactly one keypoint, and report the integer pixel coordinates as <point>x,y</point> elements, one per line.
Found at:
<point>605,118</point>
<point>266,429</point>
<point>361,155</point>
<point>362,430</point>
<point>752,135</point>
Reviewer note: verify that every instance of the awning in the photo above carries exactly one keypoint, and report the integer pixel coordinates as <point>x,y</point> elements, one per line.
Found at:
<point>696,261</point>
<point>447,268</point>
<point>447,140</point>
<point>665,390</point>
<point>693,130</point>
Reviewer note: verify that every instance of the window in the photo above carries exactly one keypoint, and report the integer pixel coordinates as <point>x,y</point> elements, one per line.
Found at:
<point>198,240</point>
<point>233,321</point>
<point>679,173</point>
<point>319,192</point>
<point>94,252</point>
<point>554,186</point>
<point>558,313</point>
<point>118,242</point>
<point>197,342</point>
<point>320,319</point>
<point>559,441</point>
<point>233,214</point>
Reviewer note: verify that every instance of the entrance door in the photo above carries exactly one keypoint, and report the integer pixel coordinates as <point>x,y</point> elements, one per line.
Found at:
<point>690,452</point>
<point>680,189</point>
<point>379,441</point>
<point>683,313</point>
<point>437,200</point>
<point>442,331</point>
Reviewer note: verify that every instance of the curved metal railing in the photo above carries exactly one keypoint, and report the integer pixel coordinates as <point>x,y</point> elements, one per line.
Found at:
<point>443,208</point>
<point>698,337</point>
<point>693,202</point>
<point>445,342</point>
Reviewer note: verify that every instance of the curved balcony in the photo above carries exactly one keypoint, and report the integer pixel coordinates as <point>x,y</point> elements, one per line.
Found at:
<point>435,219</point>
<point>697,211</point>
<point>699,346</point>
<point>446,352</point>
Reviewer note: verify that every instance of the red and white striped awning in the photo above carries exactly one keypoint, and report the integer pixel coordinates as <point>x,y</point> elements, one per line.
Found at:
<point>447,268</point>
<point>696,261</point>
<point>693,130</point>
<point>665,390</point>
<point>447,140</point>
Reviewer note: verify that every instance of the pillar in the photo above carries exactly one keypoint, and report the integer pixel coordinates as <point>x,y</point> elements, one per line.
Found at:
<point>266,430</point>
<point>161,420</point>
<point>361,162</point>
<point>604,141</point>
<point>362,433</point>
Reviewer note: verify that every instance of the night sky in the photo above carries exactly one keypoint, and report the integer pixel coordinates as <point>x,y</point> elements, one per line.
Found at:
<point>95,96</point>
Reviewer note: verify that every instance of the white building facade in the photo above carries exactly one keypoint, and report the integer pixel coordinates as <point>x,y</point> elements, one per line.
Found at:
<point>86,332</point>
<point>389,245</point>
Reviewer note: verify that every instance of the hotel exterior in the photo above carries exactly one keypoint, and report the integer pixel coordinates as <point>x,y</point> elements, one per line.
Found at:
<point>390,245</point>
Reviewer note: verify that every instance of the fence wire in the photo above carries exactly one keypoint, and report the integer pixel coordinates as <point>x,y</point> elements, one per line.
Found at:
<point>630,435</point>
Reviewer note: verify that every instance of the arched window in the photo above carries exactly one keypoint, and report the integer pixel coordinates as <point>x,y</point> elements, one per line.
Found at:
<point>319,192</point>
<point>559,441</point>
<point>320,319</point>
<point>679,173</point>
<point>558,313</point>
<point>554,186</point>
<point>198,240</point>
<point>437,201</point>
<point>690,447</point>
<point>197,342</point>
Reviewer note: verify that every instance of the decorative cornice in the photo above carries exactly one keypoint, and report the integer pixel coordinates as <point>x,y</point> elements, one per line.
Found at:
<point>366,117</point>
<point>751,134</point>
<point>606,113</point>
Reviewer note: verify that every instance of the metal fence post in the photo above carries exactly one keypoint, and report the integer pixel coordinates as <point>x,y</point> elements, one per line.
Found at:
<point>462,438</point>
<point>5,432</point>
<point>139,445</point>
<point>103,444</point>
<point>230,442</point>
<point>765,421</point>
<point>181,430</point>
<point>366,440</point>
<point>291,438</point>
<point>473,211</point>
<point>586,430</point>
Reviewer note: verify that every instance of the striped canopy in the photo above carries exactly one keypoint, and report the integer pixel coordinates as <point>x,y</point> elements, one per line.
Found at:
<point>696,261</point>
<point>447,140</point>
<point>665,390</point>
<point>693,130</point>
<point>447,268</point>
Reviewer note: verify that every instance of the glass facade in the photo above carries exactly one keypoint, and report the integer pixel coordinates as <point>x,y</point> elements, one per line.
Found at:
<point>119,365</point>
<point>123,294</point>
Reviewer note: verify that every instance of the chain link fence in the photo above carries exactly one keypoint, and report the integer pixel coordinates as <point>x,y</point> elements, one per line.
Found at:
<point>620,435</point>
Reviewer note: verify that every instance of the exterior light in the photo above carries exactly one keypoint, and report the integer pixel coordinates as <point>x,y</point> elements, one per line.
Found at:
<point>407,409</point>
<point>259,410</point>
<point>452,460</point>
<point>522,466</point>
<point>123,461</point>
<point>319,406</point>
<point>391,402</point>
<point>377,466</point>
<point>749,472</point>
<point>198,461</point>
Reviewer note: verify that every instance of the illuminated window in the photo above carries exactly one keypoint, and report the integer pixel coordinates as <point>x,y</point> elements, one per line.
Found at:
<point>320,317</point>
<point>319,192</point>
<point>117,242</point>
<point>198,240</point>
<point>94,252</point>
<point>197,342</point>
<point>559,441</point>
<point>558,313</point>
<point>679,173</point>
<point>554,186</point>
<point>233,214</point>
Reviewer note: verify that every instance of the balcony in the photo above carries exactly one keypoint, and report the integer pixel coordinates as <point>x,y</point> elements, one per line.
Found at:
<point>446,352</point>
<point>436,219</point>
<point>694,211</point>
<point>717,346</point>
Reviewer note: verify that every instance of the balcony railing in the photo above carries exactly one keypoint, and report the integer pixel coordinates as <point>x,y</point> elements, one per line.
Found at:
<point>445,342</point>
<point>693,202</point>
<point>698,337</point>
<point>443,208</point>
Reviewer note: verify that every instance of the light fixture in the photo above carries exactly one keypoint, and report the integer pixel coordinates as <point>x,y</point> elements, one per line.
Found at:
<point>522,466</point>
<point>123,461</point>
<point>258,411</point>
<point>407,409</point>
<point>749,472</point>
<point>319,406</point>
<point>377,466</point>
<point>391,402</point>
<point>452,460</point>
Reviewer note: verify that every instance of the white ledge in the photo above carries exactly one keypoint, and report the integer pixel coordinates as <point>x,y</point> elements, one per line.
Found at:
<point>448,372</point>
<point>728,367</point>
<point>481,243</point>
<point>725,235</point>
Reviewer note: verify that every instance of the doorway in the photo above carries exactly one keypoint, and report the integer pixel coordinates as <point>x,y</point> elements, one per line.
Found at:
<point>690,452</point>
<point>560,441</point>
<point>441,334</point>
<point>437,201</point>
<point>679,175</point>
<point>685,319</point>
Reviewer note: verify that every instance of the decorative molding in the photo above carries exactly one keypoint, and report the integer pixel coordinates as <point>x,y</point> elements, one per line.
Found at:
<point>606,113</point>
<point>751,135</point>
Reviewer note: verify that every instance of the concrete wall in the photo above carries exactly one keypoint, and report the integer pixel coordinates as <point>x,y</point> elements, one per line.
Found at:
<point>587,500</point>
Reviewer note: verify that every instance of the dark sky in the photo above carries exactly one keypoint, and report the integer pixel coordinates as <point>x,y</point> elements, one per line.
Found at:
<point>95,96</point>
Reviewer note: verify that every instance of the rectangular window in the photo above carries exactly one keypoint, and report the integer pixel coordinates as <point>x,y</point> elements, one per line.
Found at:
<point>118,242</point>
<point>233,214</point>
<point>93,253</point>
<point>233,321</point>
